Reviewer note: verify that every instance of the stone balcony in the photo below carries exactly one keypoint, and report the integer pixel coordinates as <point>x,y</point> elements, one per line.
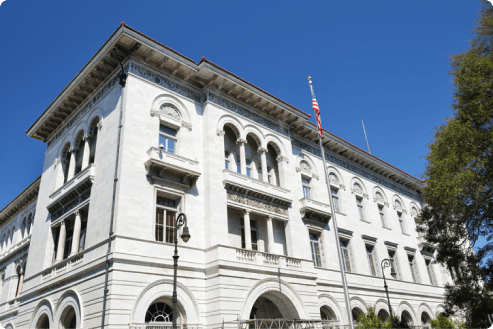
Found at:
<point>315,212</point>
<point>63,266</point>
<point>256,195</point>
<point>172,169</point>
<point>70,194</point>
<point>252,259</point>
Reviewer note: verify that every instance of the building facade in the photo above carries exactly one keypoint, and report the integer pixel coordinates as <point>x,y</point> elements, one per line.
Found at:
<point>90,242</point>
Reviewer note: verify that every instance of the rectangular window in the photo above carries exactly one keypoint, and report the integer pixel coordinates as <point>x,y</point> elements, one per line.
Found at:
<point>315,246</point>
<point>371,259</point>
<point>401,222</point>
<point>430,272</point>
<point>238,164</point>
<point>382,216</point>
<point>306,186</point>
<point>393,263</point>
<point>359,203</point>
<point>335,199</point>
<point>167,139</point>
<point>411,265</point>
<point>68,243</point>
<point>345,255</point>
<point>253,233</point>
<point>165,220</point>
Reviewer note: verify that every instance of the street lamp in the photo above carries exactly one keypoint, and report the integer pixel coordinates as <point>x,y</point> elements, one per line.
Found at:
<point>387,263</point>
<point>185,236</point>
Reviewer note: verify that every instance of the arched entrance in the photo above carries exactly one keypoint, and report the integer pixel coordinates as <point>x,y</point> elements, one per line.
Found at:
<point>407,318</point>
<point>273,305</point>
<point>356,312</point>
<point>43,322</point>
<point>383,314</point>
<point>68,318</point>
<point>327,314</point>
<point>425,319</point>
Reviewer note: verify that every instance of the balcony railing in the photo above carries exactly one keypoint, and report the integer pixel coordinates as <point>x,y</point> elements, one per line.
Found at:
<point>262,258</point>
<point>63,266</point>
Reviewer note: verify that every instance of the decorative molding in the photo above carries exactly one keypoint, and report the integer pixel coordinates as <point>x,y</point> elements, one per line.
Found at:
<point>220,132</point>
<point>186,125</point>
<point>169,110</point>
<point>80,113</point>
<point>155,113</point>
<point>305,166</point>
<point>247,114</point>
<point>314,175</point>
<point>343,164</point>
<point>391,245</point>
<point>241,141</point>
<point>282,158</point>
<point>262,150</point>
<point>100,124</point>
<point>57,161</point>
<point>257,204</point>
<point>164,82</point>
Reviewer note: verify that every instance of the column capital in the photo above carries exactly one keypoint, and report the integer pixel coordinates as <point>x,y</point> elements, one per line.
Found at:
<point>241,141</point>
<point>269,218</point>
<point>62,222</point>
<point>262,150</point>
<point>86,137</point>
<point>73,149</point>
<point>220,132</point>
<point>77,212</point>
<point>246,212</point>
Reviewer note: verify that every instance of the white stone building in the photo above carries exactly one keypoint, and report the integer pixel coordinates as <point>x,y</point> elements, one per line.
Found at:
<point>245,168</point>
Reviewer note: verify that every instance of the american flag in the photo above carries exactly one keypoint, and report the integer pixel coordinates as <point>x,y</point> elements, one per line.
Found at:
<point>317,111</point>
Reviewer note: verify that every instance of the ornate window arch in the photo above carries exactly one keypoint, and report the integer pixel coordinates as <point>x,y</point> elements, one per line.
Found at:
<point>400,212</point>
<point>359,190</point>
<point>336,185</point>
<point>167,106</point>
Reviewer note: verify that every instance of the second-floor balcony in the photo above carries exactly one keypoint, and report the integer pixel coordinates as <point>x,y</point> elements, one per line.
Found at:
<point>171,168</point>
<point>315,212</point>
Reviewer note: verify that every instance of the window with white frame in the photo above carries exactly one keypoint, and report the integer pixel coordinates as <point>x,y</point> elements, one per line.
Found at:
<point>359,204</point>
<point>316,246</point>
<point>165,220</point>
<point>401,221</point>
<point>238,164</point>
<point>249,167</point>
<point>253,233</point>
<point>370,255</point>
<point>227,164</point>
<point>335,199</point>
<point>429,269</point>
<point>306,182</point>
<point>381,213</point>
<point>167,138</point>
<point>346,257</point>
<point>394,265</point>
<point>412,266</point>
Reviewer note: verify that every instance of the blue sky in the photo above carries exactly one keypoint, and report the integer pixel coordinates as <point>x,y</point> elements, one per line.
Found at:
<point>385,62</point>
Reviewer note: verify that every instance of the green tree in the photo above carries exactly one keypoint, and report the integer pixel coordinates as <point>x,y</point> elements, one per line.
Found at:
<point>442,321</point>
<point>369,320</point>
<point>459,172</point>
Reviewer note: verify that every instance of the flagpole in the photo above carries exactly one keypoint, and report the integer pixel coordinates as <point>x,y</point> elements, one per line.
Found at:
<point>336,231</point>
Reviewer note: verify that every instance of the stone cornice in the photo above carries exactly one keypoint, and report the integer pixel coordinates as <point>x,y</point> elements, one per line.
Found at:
<point>29,194</point>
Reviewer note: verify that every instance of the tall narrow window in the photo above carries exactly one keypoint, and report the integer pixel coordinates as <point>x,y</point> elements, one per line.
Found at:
<point>382,216</point>
<point>401,222</point>
<point>315,246</point>
<point>249,167</point>
<point>359,203</point>
<point>306,187</point>
<point>269,175</point>
<point>412,267</point>
<point>238,164</point>
<point>335,199</point>
<point>226,160</point>
<point>345,255</point>
<point>393,263</point>
<point>167,139</point>
<point>370,254</point>
<point>165,220</point>
<point>430,271</point>
<point>253,233</point>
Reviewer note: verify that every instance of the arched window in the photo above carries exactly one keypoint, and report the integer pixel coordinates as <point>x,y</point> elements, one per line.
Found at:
<point>306,179</point>
<point>231,150</point>
<point>358,191</point>
<point>335,191</point>
<point>252,157</point>
<point>2,278</point>
<point>356,312</point>
<point>400,215</point>
<point>159,312</point>
<point>93,138</point>
<point>407,318</point>
<point>79,153</point>
<point>68,318</point>
<point>20,275</point>
<point>272,167</point>
<point>66,161</point>
<point>383,314</point>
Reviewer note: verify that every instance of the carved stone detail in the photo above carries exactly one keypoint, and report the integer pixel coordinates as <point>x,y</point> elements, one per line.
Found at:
<point>241,141</point>
<point>262,150</point>
<point>155,113</point>
<point>333,179</point>
<point>186,125</point>
<point>282,158</point>
<point>100,124</point>
<point>414,212</point>
<point>315,176</point>
<point>171,111</point>
<point>257,204</point>
<point>220,132</point>
<point>297,168</point>
<point>305,166</point>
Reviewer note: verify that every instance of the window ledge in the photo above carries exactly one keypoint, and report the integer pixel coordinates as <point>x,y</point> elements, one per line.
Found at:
<point>405,234</point>
<point>365,221</point>
<point>387,228</point>
<point>63,266</point>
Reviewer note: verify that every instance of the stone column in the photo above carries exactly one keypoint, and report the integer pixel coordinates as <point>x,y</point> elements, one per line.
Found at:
<point>76,237</point>
<point>263,158</point>
<point>21,281</point>
<point>87,152</point>
<point>61,242</point>
<point>71,167</point>
<point>282,163</point>
<point>248,232</point>
<point>242,143</point>
<point>270,235</point>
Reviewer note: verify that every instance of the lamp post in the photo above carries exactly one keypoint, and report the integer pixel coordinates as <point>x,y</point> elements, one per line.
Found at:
<point>387,263</point>
<point>185,236</point>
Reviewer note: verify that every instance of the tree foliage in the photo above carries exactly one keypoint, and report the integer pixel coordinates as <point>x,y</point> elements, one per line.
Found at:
<point>459,172</point>
<point>371,320</point>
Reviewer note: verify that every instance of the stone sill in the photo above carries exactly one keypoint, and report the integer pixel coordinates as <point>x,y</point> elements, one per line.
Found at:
<point>75,178</point>
<point>256,181</point>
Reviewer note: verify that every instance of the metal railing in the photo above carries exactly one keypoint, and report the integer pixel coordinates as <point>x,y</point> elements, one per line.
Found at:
<point>285,324</point>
